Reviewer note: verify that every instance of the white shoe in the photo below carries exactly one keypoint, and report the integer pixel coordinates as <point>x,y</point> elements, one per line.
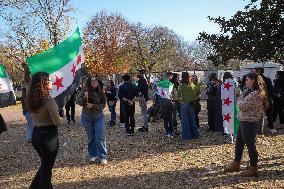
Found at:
<point>273,131</point>
<point>93,159</point>
<point>122,125</point>
<point>103,161</point>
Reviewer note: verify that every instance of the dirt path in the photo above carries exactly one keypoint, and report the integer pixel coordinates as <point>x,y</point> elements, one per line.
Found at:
<point>143,161</point>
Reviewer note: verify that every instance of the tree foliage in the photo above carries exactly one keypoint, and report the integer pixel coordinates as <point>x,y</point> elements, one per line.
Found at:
<point>108,46</point>
<point>257,33</point>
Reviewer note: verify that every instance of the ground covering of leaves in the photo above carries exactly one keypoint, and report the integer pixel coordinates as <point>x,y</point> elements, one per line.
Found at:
<point>143,161</point>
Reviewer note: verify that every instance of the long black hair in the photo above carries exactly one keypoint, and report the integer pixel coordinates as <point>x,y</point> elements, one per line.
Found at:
<point>185,78</point>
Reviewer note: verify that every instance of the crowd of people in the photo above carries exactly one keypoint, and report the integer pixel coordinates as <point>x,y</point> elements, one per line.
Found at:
<point>254,94</point>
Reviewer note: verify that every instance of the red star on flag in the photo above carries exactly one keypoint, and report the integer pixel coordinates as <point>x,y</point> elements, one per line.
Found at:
<point>227,101</point>
<point>227,117</point>
<point>79,60</point>
<point>227,86</point>
<point>58,82</point>
<point>73,70</point>
<point>163,93</point>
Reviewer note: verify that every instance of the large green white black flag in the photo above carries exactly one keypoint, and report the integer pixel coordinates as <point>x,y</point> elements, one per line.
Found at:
<point>7,95</point>
<point>63,63</point>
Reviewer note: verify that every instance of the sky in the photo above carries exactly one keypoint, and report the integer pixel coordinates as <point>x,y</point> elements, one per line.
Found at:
<point>186,17</point>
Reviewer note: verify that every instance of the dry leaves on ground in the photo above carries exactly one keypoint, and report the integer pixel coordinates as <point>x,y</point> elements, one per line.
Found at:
<point>143,161</point>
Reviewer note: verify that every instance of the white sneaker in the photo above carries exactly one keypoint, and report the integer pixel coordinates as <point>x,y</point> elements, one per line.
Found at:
<point>93,159</point>
<point>103,161</point>
<point>273,131</point>
<point>122,125</point>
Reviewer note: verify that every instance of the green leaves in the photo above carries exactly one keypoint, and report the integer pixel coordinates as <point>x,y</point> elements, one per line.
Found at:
<point>255,33</point>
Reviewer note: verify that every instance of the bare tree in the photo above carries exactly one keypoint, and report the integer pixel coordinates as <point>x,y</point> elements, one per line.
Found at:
<point>29,23</point>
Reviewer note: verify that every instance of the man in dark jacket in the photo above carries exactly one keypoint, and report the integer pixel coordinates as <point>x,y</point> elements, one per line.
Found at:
<point>269,91</point>
<point>128,94</point>
<point>143,94</point>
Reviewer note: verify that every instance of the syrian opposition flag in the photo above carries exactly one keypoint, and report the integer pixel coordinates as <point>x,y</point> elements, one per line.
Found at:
<point>229,107</point>
<point>165,89</point>
<point>63,63</point>
<point>7,95</point>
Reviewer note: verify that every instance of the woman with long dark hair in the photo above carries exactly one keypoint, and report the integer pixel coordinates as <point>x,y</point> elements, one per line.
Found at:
<point>46,119</point>
<point>93,101</point>
<point>251,105</point>
<point>186,92</point>
<point>111,101</point>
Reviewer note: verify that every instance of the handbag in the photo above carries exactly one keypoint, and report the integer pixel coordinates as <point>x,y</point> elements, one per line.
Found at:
<point>111,103</point>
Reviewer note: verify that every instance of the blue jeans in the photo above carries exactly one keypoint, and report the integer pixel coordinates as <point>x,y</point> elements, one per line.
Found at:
<point>112,112</point>
<point>189,128</point>
<point>95,131</point>
<point>30,126</point>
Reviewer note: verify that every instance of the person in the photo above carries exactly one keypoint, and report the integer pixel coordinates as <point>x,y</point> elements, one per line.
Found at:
<point>143,88</point>
<point>214,104</point>
<point>176,103</point>
<point>71,105</point>
<point>46,119</point>
<point>128,94</point>
<point>28,116</point>
<point>111,101</point>
<point>156,97</point>
<point>3,126</point>
<point>251,105</point>
<point>278,99</point>
<point>254,70</point>
<point>167,105</point>
<point>186,92</point>
<point>269,92</point>
<point>243,84</point>
<point>228,75</point>
<point>121,119</point>
<point>239,81</point>
<point>101,84</point>
<point>93,101</point>
<point>196,99</point>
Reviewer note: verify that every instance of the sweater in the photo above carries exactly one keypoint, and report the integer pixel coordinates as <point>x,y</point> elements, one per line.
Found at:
<point>187,93</point>
<point>47,114</point>
<point>98,101</point>
<point>250,107</point>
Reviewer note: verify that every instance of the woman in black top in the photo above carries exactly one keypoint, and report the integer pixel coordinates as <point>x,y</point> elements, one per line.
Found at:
<point>111,101</point>
<point>278,99</point>
<point>214,104</point>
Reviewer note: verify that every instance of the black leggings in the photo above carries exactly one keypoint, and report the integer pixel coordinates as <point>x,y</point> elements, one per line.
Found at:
<point>45,142</point>
<point>72,107</point>
<point>246,136</point>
